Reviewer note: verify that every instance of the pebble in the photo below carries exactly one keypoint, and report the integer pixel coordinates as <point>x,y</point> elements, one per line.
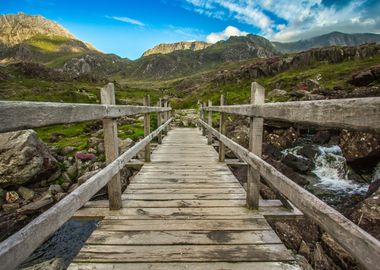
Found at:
<point>11,197</point>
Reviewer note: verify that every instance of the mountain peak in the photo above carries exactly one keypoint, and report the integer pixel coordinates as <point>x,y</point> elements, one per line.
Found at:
<point>165,48</point>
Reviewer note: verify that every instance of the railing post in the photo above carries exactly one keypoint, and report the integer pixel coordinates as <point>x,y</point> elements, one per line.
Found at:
<point>222,130</point>
<point>209,137</point>
<point>166,117</point>
<point>255,146</point>
<point>204,118</point>
<point>200,116</point>
<point>159,122</point>
<point>111,145</point>
<point>169,115</point>
<point>147,128</point>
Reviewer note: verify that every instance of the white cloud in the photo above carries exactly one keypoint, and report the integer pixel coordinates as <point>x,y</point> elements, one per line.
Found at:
<point>127,20</point>
<point>285,20</point>
<point>225,34</point>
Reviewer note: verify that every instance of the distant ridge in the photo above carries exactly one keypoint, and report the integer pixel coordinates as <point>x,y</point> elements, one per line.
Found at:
<point>165,48</point>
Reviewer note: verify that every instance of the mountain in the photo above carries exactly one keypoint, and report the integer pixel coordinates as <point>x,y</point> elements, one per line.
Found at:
<point>330,39</point>
<point>166,48</point>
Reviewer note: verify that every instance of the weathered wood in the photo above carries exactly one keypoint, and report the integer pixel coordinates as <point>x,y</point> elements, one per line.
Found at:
<point>356,113</point>
<point>159,121</point>
<point>147,128</point>
<point>204,237</point>
<point>186,266</point>
<point>16,115</point>
<point>111,146</point>
<point>222,130</point>
<point>15,249</point>
<point>166,116</point>
<point>204,118</point>
<point>184,253</point>
<point>189,196</point>
<point>361,245</point>
<point>209,135</point>
<point>255,146</point>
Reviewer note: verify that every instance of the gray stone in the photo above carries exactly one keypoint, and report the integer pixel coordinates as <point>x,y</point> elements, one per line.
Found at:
<point>37,205</point>
<point>67,149</point>
<point>54,189</point>
<point>101,148</point>
<point>10,207</point>
<point>124,145</point>
<point>66,177</point>
<point>304,250</point>
<point>86,176</point>
<point>26,193</point>
<point>72,171</point>
<point>66,185</point>
<point>23,158</point>
<point>275,93</point>
<point>59,196</point>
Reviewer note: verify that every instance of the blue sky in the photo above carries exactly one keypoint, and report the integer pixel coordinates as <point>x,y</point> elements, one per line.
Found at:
<point>128,28</point>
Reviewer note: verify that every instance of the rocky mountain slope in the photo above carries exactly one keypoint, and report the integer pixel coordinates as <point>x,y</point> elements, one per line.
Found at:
<point>166,48</point>
<point>330,39</point>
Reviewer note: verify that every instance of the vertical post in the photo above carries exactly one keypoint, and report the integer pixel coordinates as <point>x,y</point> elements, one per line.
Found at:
<point>159,122</point>
<point>169,115</point>
<point>111,145</point>
<point>209,137</point>
<point>147,128</point>
<point>204,119</point>
<point>166,116</point>
<point>222,130</point>
<point>200,116</point>
<point>255,146</point>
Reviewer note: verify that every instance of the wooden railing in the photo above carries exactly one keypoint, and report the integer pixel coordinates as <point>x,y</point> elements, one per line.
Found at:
<point>361,114</point>
<point>19,115</point>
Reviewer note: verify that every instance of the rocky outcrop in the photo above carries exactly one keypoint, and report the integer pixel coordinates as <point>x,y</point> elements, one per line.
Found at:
<point>23,158</point>
<point>363,78</point>
<point>165,48</point>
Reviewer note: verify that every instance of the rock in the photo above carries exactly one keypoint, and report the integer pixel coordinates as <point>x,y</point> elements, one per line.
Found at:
<point>289,172</point>
<point>85,156</point>
<point>335,251</point>
<point>299,164</point>
<point>59,196</point>
<point>321,260</point>
<point>11,196</point>
<point>289,235</point>
<point>101,148</point>
<point>309,151</point>
<point>267,193</point>
<point>86,176</point>
<point>303,263</point>
<point>72,188</point>
<point>367,214</point>
<point>26,193</point>
<point>10,207</point>
<point>124,145</point>
<point>66,185</point>
<point>72,171</point>
<point>282,139</point>
<point>94,141</point>
<point>67,150</point>
<point>359,145</point>
<point>271,151</point>
<point>91,150</point>
<point>277,93</point>
<point>304,250</point>
<point>54,177</point>
<point>54,189</point>
<point>66,177</point>
<point>37,205</point>
<point>29,156</point>
<point>321,137</point>
<point>362,78</point>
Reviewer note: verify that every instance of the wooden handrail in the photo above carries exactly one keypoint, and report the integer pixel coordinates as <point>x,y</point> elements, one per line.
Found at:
<point>355,113</point>
<point>15,249</point>
<point>16,115</point>
<point>361,245</point>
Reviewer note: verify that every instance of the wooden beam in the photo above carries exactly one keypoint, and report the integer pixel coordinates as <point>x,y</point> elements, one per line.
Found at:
<point>222,130</point>
<point>147,128</point>
<point>159,121</point>
<point>165,131</point>
<point>111,146</point>
<point>16,248</point>
<point>204,118</point>
<point>360,244</point>
<point>356,113</point>
<point>255,146</point>
<point>16,115</point>
<point>209,135</point>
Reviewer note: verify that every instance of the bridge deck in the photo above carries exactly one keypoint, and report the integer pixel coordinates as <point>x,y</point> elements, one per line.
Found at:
<point>183,210</point>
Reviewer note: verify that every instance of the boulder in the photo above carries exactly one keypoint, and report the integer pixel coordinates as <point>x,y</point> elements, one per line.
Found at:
<point>26,193</point>
<point>277,93</point>
<point>335,251</point>
<point>24,158</point>
<point>362,78</point>
<point>124,145</point>
<point>304,250</point>
<point>54,189</point>
<point>72,171</point>
<point>309,151</point>
<point>321,137</point>
<point>85,156</point>
<point>289,235</point>
<point>321,260</point>
<point>282,138</point>
<point>297,163</point>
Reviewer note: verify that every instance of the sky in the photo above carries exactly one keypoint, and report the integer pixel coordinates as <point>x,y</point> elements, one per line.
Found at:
<point>128,28</point>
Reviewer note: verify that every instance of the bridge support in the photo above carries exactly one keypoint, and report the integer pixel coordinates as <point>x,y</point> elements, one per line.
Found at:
<point>204,119</point>
<point>209,135</point>
<point>159,121</point>
<point>147,128</point>
<point>111,145</point>
<point>255,146</point>
<point>222,130</point>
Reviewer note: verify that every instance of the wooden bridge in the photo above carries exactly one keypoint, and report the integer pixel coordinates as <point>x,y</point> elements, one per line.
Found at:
<point>185,209</point>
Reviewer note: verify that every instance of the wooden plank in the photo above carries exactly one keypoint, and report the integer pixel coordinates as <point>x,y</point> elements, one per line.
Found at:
<point>111,146</point>
<point>147,129</point>
<point>187,191</point>
<point>209,135</point>
<point>100,237</point>
<point>174,196</point>
<point>256,129</point>
<point>186,266</point>
<point>222,130</point>
<point>361,245</point>
<point>355,113</point>
<point>15,249</point>
<point>184,253</point>
<point>16,115</point>
<point>137,185</point>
